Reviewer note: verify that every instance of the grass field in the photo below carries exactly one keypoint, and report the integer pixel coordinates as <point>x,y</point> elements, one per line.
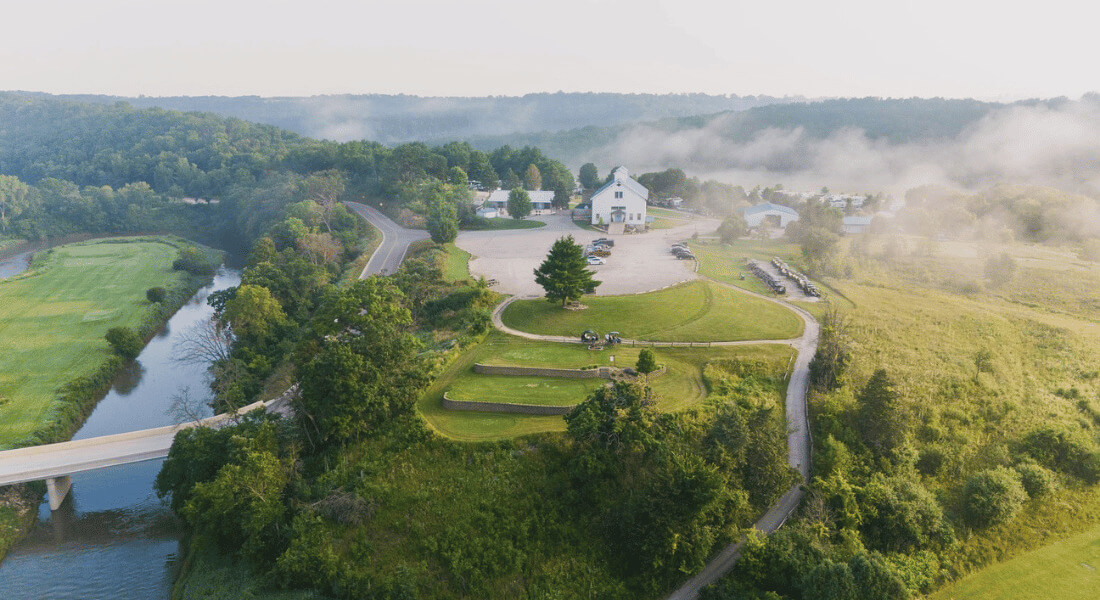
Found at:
<point>1066,570</point>
<point>682,386</point>
<point>726,263</point>
<point>692,312</point>
<point>666,219</point>
<point>54,316</point>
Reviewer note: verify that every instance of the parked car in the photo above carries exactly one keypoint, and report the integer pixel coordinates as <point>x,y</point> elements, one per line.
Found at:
<point>605,241</point>
<point>600,252</point>
<point>595,260</point>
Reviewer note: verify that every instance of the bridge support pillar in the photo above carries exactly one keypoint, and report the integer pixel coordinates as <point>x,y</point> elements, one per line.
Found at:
<point>56,490</point>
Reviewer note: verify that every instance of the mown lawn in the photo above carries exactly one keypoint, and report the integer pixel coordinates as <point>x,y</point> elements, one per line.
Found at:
<point>498,223</point>
<point>692,312</point>
<point>681,387</point>
<point>53,318</point>
<point>1066,570</point>
<point>544,391</point>
<point>456,267</point>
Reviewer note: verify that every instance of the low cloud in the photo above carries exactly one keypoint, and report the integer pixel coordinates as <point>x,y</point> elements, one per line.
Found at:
<point>1056,146</point>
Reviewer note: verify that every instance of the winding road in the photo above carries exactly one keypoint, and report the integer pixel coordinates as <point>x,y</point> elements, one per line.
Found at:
<point>395,240</point>
<point>798,431</point>
<point>395,243</point>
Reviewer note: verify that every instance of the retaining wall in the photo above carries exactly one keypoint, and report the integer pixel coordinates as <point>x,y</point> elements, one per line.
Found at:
<point>506,407</point>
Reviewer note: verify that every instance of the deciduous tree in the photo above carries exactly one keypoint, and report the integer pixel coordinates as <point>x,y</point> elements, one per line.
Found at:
<point>519,203</point>
<point>589,176</point>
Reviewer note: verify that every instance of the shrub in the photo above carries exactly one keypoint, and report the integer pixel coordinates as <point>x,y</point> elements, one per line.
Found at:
<point>1036,480</point>
<point>156,294</point>
<point>993,496</point>
<point>192,260</point>
<point>124,342</point>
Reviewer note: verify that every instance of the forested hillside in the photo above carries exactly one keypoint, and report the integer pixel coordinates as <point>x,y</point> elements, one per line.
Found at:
<point>394,119</point>
<point>70,151</point>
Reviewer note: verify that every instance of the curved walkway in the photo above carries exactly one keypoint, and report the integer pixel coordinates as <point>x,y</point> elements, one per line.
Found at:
<point>798,429</point>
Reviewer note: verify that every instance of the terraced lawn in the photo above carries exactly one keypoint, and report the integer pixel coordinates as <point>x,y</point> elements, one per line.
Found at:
<point>544,391</point>
<point>697,311</point>
<point>681,387</point>
<point>53,318</point>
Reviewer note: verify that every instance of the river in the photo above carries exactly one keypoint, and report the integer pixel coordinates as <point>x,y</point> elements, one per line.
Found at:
<point>113,538</point>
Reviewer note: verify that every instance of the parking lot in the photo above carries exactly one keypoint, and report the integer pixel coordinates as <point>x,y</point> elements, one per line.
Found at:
<point>638,263</point>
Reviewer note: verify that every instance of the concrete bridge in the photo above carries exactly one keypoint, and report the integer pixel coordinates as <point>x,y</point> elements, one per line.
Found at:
<point>55,463</point>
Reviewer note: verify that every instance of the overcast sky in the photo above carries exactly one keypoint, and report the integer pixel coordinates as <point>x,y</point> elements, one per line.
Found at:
<point>1002,49</point>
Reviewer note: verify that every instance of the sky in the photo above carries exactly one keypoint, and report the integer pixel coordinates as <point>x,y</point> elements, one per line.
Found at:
<point>994,50</point>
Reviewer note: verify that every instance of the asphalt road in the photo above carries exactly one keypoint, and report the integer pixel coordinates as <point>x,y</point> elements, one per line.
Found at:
<point>395,241</point>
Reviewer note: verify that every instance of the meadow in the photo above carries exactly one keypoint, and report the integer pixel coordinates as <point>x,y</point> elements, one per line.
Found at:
<point>1066,570</point>
<point>697,311</point>
<point>681,387</point>
<point>53,318</point>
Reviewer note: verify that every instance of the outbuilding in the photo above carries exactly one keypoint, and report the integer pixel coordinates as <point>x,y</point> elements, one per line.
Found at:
<point>542,201</point>
<point>776,214</point>
<point>621,200</point>
<point>853,225</point>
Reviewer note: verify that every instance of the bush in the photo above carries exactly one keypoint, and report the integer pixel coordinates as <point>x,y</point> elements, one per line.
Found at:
<point>1036,480</point>
<point>993,496</point>
<point>192,260</point>
<point>124,342</point>
<point>156,295</point>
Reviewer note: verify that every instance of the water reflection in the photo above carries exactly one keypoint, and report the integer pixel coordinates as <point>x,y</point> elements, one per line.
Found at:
<point>112,537</point>
<point>129,378</point>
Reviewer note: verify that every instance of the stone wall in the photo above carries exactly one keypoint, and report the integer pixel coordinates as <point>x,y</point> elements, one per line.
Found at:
<point>505,407</point>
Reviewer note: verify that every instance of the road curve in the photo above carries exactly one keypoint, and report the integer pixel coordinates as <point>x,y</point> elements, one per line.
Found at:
<point>395,241</point>
<point>798,431</point>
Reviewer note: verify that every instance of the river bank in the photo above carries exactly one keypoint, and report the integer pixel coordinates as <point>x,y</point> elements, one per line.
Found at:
<point>78,397</point>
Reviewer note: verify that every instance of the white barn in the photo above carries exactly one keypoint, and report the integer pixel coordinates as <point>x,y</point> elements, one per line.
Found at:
<point>621,200</point>
<point>776,213</point>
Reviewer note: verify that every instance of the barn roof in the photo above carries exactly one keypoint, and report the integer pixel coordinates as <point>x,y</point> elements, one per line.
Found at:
<point>769,207</point>
<point>622,176</point>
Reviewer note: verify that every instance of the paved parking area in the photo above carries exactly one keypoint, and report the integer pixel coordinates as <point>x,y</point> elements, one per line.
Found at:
<point>638,263</point>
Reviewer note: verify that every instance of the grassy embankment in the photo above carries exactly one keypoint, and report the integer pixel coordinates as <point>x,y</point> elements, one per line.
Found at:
<point>692,312</point>
<point>681,387</point>
<point>52,321</point>
<point>501,223</point>
<point>1066,570</point>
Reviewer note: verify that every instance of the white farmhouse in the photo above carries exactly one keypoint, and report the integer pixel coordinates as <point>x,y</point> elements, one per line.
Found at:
<point>621,200</point>
<point>776,214</point>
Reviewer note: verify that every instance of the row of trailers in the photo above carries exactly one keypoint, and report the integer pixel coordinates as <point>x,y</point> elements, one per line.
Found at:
<point>776,285</point>
<point>799,279</point>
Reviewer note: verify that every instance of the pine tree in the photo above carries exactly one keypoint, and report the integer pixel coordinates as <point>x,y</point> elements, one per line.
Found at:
<point>564,274</point>
<point>880,418</point>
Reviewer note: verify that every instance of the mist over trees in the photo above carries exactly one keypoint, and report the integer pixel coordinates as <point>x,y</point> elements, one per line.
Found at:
<point>395,119</point>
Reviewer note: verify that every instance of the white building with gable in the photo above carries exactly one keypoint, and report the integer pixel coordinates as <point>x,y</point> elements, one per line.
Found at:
<point>621,200</point>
